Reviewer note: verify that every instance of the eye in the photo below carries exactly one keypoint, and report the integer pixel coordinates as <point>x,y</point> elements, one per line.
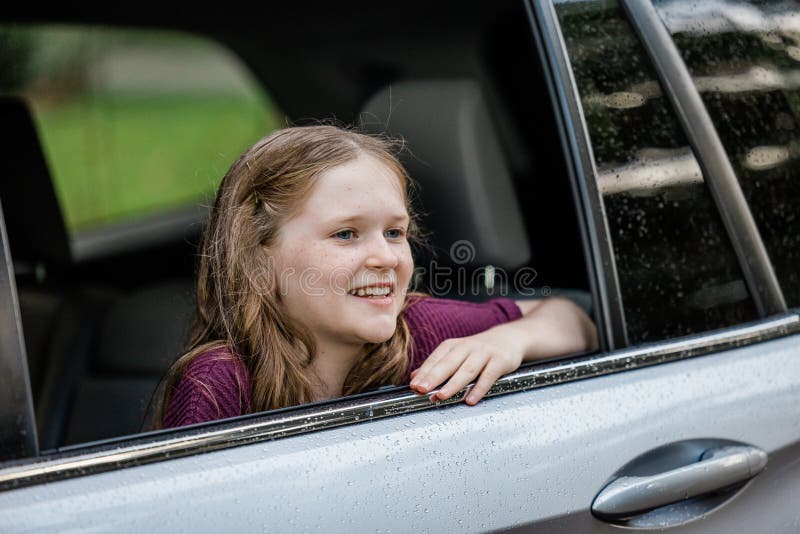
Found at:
<point>344,235</point>
<point>395,233</point>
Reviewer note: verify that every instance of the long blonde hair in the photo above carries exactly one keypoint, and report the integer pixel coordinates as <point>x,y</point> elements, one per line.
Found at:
<point>237,304</point>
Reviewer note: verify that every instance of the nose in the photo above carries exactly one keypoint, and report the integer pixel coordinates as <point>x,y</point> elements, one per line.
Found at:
<point>381,254</point>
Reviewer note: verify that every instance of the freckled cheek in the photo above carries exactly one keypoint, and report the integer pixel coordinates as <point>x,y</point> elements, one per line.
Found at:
<point>406,266</point>
<point>339,280</point>
<point>340,269</point>
<point>292,258</point>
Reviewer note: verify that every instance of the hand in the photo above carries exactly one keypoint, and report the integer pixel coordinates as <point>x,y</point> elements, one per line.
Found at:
<point>548,327</point>
<point>489,354</point>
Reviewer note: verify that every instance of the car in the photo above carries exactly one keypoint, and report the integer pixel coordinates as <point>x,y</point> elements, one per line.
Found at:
<point>638,158</point>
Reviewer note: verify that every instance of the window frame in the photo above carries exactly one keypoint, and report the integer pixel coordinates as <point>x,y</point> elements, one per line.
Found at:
<point>598,251</point>
<point>18,437</point>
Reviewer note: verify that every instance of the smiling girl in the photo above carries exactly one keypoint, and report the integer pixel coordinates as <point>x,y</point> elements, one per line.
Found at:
<point>303,291</point>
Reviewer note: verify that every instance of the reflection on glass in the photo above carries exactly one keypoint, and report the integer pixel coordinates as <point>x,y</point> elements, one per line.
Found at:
<point>745,60</point>
<point>677,270</point>
<point>651,173</point>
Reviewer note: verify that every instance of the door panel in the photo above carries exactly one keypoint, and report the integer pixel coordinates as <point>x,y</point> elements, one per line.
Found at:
<point>523,460</point>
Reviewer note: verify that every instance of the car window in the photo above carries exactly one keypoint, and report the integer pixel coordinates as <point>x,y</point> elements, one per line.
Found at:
<point>743,58</point>
<point>676,268</point>
<point>131,121</point>
<point>134,123</point>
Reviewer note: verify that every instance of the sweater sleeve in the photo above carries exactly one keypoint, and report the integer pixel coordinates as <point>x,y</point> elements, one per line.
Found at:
<point>213,386</point>
<point>432,320</point>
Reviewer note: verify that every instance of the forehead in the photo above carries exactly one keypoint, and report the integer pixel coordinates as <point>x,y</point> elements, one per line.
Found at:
<point>364,186</point>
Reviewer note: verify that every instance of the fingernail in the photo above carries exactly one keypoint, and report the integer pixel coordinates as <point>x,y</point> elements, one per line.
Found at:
<point>471,399</point>
<point>423,385</point>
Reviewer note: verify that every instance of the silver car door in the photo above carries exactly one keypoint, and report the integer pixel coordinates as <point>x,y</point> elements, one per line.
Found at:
<point>529,460</point>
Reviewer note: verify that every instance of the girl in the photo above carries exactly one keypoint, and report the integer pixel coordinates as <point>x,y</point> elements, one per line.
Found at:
<point>302,291</point>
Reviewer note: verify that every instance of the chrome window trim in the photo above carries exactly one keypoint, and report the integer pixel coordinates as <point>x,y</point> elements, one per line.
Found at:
<point>682,93</point>
<point>149,449</point>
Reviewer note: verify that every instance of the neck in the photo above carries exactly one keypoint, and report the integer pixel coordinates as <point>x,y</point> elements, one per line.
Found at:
<point>331,363</point>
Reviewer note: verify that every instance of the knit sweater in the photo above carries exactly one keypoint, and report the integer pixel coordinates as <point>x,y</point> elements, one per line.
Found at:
<point>216,384</point>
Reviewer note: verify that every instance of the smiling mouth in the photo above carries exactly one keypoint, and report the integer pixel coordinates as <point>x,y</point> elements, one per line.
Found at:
<point>375,292</point>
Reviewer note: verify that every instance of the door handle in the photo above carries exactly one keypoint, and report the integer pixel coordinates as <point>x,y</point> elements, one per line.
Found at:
<point>717,469</point>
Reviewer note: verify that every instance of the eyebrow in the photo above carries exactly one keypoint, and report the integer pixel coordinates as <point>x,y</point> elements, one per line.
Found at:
<point>359,218</point>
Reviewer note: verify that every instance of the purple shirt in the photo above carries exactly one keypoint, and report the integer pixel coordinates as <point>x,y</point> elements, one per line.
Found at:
<point>216,384</point>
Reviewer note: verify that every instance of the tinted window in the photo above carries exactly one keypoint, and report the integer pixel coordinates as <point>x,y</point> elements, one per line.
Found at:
<point>676,267</point>
<point>745,62</point>
<point>131,121</point>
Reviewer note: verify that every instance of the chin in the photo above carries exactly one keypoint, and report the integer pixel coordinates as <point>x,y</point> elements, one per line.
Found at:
<point>378,334</point>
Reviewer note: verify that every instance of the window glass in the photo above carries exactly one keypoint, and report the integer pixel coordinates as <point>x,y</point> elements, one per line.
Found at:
<point>677,270</point>
<point>745,61</point>
<point>132,121</point>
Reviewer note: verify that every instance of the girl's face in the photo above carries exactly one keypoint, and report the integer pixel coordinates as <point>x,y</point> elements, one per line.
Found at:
<point>350,234</point>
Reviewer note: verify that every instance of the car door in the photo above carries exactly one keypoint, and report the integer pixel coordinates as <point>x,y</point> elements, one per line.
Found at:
<point>696,388</point>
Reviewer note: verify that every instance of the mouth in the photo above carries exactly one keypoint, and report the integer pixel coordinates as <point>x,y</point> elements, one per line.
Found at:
<point>380,291</point>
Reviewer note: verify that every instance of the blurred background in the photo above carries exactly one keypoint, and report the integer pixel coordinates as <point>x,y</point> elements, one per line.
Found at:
<point>133,122</point>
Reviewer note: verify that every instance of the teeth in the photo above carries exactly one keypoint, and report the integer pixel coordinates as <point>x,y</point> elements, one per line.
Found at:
<point>372,291</point>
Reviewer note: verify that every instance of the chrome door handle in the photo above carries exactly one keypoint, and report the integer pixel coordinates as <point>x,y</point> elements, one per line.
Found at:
<point>717,469</point>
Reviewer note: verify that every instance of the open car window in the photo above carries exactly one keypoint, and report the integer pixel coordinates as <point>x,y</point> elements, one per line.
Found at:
<point>132,129</point>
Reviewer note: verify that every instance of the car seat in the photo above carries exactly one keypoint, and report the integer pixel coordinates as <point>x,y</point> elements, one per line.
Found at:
<point>140,336</point>
<point>467,196</point>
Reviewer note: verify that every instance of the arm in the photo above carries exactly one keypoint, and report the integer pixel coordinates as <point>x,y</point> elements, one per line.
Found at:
<point>547,328</point>
<point>213,386</point>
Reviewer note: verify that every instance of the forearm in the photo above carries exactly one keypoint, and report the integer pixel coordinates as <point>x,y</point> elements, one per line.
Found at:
<point>554,327</point>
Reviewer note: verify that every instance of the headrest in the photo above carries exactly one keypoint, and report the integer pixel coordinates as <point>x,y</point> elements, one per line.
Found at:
<point>466,192</point>
<point>36,230</point>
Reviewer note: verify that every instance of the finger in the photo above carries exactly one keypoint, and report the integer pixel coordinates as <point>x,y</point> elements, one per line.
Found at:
<point>487,379</point>
<point>425,377</point>
<point>446,367</point>
<point>438,353</point>
<point>428,364</point>
<point>411,381</point>
<point>466,373</point>
<point>430,379</point>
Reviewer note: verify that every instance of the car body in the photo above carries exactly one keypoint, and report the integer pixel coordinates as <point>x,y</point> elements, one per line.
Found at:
<point>638,158</point>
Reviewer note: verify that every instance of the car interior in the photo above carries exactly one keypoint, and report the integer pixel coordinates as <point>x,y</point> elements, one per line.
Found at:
<point>105,313</point>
